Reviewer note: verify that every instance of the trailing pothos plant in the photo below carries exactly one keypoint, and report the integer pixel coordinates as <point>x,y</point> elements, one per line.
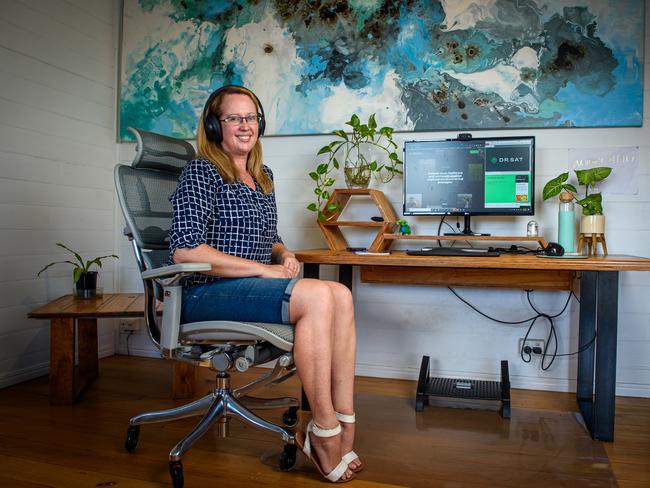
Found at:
<point>349,151</point>
<point>592,203</point>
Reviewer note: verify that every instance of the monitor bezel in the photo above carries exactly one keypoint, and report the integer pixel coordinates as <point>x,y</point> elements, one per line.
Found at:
<point>499,212</point>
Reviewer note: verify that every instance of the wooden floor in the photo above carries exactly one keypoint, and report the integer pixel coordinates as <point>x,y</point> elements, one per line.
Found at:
<point>541,445</point>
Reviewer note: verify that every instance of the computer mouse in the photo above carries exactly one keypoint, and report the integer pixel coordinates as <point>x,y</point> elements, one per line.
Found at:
<point>554,249</point>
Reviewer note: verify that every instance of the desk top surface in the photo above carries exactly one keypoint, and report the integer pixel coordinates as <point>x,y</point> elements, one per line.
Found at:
<point>106,305</point>
<point>505,261</point>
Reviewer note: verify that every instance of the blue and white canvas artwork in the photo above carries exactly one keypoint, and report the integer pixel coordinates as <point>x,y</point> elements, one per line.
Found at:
<point>421,65</point>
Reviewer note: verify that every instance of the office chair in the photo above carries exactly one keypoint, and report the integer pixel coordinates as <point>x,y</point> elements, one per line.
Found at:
<point>143,191</point>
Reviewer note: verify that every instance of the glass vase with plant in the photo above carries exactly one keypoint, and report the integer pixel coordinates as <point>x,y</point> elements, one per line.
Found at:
<point>356,153</point>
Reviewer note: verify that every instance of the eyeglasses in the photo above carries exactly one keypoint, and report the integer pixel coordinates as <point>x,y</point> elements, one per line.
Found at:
<point>239,119</point>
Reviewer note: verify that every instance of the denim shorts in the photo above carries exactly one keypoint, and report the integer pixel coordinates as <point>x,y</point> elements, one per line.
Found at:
<point>239,299</point>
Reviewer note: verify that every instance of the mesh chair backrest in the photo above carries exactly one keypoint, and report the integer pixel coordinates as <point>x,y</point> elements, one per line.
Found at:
<point>145,187</point>
<point>143,190</point>
<point>144,196</point>
<point>155,151</point>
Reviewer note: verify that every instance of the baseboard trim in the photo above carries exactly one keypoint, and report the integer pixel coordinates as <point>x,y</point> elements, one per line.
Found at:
<point>24,374</point>
<point>144,352</point>
<point>42,369</point>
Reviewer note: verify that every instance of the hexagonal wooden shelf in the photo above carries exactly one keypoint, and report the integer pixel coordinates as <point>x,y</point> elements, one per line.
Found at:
<point>331,226</point>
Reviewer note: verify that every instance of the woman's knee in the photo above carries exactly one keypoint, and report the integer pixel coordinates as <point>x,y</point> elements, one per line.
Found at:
<point>342,297</point>
<point>311,296</point>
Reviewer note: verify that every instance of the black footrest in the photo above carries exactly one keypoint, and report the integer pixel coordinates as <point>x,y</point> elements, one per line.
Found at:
<point>464,389</point>
<point>461,388</point>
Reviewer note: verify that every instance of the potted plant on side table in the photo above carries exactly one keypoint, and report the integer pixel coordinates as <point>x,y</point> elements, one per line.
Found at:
<point>84,279</point>
<point>354,151</point>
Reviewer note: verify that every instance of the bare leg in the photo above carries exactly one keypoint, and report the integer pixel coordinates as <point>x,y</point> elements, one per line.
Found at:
<point>343,362</point>
<point>311,308</point>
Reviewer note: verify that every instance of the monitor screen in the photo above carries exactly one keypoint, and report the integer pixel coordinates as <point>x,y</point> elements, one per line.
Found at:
<point>485,176</point>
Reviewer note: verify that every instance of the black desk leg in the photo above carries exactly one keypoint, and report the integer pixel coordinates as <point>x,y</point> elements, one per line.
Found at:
<point>345,275</point>
<point>309,270</point>
<point>596,395</point>
<point>605,387</point>
<point>586,334</point>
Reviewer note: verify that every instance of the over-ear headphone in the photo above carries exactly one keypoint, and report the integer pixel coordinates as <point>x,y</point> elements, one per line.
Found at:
<point>211,122</point>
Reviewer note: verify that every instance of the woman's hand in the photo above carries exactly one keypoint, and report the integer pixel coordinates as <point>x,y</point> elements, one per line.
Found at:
<point>290,262</point>
<point>276,271</point>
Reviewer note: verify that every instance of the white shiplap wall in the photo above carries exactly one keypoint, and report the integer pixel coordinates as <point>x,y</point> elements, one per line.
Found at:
<point>57,151</point>
<point>398,324</point>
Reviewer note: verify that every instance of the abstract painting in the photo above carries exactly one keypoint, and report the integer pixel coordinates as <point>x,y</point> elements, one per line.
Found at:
<point>420,65</point>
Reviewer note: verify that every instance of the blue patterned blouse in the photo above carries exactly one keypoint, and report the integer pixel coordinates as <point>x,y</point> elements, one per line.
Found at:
<point>230,217</point>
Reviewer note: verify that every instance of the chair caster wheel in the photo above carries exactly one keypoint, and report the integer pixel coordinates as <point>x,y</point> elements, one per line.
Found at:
<point>132,435</point>
<point>288,457</point>
<point>176,472</point>
<point>290,417</point>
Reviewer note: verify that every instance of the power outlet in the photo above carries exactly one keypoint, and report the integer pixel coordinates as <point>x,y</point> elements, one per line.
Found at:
<point>129,325</point>
<point>533,343</point>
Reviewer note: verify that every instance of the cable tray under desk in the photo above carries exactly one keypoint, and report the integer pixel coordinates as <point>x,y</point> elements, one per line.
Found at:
<point>463,389</point>
<point>394,237</point>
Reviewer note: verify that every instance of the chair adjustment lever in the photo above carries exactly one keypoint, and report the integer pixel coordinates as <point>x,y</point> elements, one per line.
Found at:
<point>206,356</point>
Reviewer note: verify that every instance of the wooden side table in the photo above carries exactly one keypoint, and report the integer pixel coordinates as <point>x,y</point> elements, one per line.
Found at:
<point>73,325</point>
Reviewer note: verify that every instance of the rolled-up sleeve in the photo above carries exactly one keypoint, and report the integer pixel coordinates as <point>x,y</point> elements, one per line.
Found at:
<point>193,205</point>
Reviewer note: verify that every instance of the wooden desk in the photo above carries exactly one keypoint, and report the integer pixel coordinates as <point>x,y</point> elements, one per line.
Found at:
<point>598,286</point>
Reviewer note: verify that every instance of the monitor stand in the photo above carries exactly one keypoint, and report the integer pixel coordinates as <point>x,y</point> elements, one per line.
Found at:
<point>467,230</point>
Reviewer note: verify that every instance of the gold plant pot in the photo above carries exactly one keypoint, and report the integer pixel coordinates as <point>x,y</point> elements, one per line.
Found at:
<point>592,224</point>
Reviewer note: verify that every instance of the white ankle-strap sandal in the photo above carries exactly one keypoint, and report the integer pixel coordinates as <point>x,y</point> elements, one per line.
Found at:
<point>304,442</point>
<point>350,456</point>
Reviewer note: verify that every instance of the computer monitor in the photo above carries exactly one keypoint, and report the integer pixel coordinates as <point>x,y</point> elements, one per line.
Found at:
<point>467,176</point>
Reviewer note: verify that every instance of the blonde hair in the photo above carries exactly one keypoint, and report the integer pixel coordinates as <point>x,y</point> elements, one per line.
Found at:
<point>213,151</point>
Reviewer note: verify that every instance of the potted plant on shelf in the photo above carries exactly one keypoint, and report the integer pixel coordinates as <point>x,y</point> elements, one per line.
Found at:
<point>592,220</point>
<point>84,279</point>
<point>353,151</point>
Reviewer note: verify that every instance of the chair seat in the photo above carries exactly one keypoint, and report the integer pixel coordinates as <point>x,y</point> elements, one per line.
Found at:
<point>280,335</point>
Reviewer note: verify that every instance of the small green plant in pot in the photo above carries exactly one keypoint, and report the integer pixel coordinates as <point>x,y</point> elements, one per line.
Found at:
<point>355,152</point>
<point>84,279</point>
<point>593,220</point>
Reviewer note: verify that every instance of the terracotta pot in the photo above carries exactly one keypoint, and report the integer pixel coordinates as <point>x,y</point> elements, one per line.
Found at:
<point>592,224</point>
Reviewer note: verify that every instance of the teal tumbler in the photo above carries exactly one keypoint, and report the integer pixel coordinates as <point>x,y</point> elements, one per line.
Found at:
<point>566,233</point>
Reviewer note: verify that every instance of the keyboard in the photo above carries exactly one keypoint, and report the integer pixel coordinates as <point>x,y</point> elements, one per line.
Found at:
<point>452,251</point>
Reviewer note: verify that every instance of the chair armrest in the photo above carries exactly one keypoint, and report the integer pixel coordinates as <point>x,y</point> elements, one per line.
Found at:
<point>169,278</point>
<point>175,269</point>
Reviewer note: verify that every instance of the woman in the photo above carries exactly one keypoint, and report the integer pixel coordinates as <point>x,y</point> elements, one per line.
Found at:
<point>225,214</point>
